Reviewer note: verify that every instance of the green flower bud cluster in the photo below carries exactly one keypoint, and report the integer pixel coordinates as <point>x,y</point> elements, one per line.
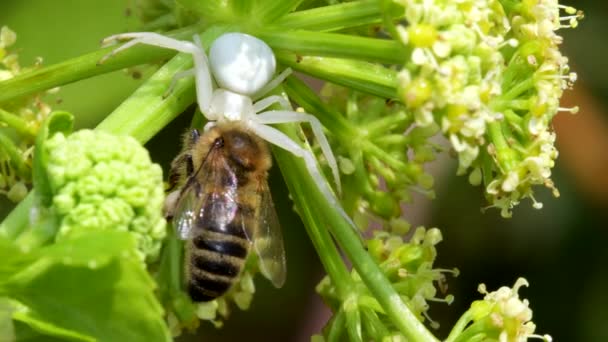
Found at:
<point>502,316</point>
<point>19,123</point>
<point>385,164</point>
<point>104,182</point>
<point>408,265</point>
<point>490,74</point>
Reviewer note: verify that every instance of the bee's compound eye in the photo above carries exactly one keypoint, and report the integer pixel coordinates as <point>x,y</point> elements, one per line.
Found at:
<point>218,142</point>
<point>241,63</point>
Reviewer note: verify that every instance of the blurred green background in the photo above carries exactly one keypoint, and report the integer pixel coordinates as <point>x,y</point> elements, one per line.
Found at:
<point>562,249</point>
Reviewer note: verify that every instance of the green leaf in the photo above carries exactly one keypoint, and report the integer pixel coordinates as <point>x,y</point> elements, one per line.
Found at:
<point>56,122</point>
<point>90,285</point>
<point>30,328</point>
<point>13,259</point>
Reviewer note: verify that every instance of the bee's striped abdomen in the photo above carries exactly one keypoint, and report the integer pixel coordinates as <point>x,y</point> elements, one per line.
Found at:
<point>218,252</point>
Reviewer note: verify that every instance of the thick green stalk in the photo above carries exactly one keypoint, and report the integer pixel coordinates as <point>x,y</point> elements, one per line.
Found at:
<point>147,111</point>
<point>362,76</point>
<point>334,17</point>
<point>336,45</point>
<point>85,66</point>
<point>293,169</point>
<point>307,195</point>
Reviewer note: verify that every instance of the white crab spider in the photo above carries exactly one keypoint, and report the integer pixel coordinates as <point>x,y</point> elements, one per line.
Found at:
<point>242,66</point>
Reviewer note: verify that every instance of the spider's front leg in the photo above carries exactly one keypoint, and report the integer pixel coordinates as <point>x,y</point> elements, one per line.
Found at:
<point>202,75</point>
<point>276,137</point>
<point>287,116</point>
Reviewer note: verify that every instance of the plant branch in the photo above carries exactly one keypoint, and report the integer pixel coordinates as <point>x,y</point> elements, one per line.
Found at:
<point>85,66</point>
<point>366,77</point>
<point>334,17</point>
<point>337,45</point>
<point>309,199</point>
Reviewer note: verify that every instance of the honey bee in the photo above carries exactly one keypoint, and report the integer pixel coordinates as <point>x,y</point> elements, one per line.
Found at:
<point>223,209</point>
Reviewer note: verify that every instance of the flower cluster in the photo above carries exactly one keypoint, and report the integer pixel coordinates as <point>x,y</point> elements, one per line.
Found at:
<point>105,182</point>
<point>19,123</point>
<point>385,165</point>
<point>490,74</point>
<point>502,315</point>
<point>408,265</point>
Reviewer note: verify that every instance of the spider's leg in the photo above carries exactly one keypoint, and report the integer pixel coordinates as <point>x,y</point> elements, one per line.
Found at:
<point>276,137</point>
<point>283,116</point>
<point>269,101</point>
<point>272,84</point>
<point>201,66</point>
<point>178,76</point>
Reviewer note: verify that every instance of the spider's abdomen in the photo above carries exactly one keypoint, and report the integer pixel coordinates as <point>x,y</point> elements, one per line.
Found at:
<point>241,63</point>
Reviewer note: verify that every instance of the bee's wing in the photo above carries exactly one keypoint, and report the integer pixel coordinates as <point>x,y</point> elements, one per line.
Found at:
<point>268,241</point>
<point>195,204</point>
<point>187,210</point>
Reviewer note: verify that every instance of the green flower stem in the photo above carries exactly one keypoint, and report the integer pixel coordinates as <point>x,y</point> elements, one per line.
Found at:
<point>167,20</point>
<point>384,156</point>
<point>476,332</point>
<point>15,156</point>
<point>316,213</point>
<point>380,126</point>
<point>392,140</point>
<point>336,325</point>
<point>517,89</point>
<point>363,76</point>
<point>334,17</point>
<point>335,45</point>
<point>515,120</point>
<point>18,123</point>
<point>459,327</point>
<point>85,66</point>
<point>332,120</point>
<point>504,154</point>
<point>372,324</point>
<point>353,319</point>
<point>271,10</point>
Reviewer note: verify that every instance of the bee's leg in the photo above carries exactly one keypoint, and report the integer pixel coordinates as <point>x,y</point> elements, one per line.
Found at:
<point>181,168</point>
<point>170,204</point>
<point>281,116</point>
<point>276,137</point>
